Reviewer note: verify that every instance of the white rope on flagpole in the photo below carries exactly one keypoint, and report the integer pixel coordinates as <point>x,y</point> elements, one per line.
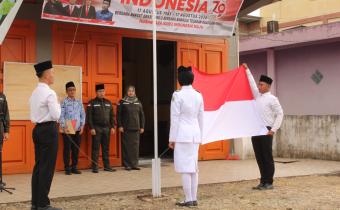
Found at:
<point>156,175</point>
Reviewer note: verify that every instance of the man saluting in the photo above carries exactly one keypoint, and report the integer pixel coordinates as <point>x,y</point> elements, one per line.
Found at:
<point>45,112</point>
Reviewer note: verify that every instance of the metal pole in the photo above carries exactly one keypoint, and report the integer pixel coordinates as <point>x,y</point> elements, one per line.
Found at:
<point>156,183</point>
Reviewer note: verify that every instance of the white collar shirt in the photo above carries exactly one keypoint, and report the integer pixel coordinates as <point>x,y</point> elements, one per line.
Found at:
<point>44,105</point>
<point>267,104</point>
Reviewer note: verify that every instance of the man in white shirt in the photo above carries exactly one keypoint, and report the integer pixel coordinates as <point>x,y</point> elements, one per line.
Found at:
<point>272,114</point>
<point>45,112</point>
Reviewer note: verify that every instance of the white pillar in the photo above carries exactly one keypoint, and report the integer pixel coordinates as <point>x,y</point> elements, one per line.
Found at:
<point>156,162</point>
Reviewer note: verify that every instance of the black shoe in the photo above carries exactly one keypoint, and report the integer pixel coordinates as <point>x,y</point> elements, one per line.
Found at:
<point>258,187</point>
<point>2,184</point>
<point>267,187</point>
<point>135,168</point>
<point>109,169</point>
<point>128,168</point>
<point>48,208</point>
<point>76,171</point>
<point>185,204</point>
<point>195,203</point>
<point>95,170</point>
<point>67,172</point>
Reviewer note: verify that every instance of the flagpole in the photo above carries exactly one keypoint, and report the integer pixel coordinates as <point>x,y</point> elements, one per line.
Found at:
<point>156,164</point>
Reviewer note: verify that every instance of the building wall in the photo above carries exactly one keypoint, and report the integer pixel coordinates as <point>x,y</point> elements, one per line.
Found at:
<point>291,10</point>
<point>309,137</point>
<point>312,123</point>
<point>257,63</point>
<point>32,12</point>
<point>297,92</point>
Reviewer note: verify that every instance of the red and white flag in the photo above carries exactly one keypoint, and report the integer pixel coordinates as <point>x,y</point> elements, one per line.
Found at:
<point>229,106</point>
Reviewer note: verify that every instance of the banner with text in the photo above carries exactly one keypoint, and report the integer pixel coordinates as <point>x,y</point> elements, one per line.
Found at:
<point>201,17</point>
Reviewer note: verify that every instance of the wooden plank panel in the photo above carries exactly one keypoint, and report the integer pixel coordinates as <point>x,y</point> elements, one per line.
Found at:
<point>20,81</point>
<point>19,46</point>
<point>107,59</point>
<point>215,58</point>
<point>214,62</point>
<point>189,54</point>
<point>18,156</point>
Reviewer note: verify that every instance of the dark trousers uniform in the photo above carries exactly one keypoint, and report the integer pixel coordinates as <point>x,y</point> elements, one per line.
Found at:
<point>45,138</point>
<point>130,146</point>
<point>71,145</point>
<point>264,156</point>
<point>102,138</point>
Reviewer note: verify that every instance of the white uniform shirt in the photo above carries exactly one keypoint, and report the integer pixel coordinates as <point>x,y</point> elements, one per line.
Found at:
<point>187,110</point>
<point>267,104</point>
<point>44,104</point>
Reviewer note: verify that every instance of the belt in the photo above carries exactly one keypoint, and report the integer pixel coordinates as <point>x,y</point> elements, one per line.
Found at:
<point>47,123</point>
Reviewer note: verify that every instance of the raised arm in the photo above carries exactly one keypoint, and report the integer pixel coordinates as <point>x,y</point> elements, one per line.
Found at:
<point>252,83</point>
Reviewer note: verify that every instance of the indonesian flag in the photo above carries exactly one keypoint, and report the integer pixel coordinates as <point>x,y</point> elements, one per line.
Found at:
<point>229,106</point>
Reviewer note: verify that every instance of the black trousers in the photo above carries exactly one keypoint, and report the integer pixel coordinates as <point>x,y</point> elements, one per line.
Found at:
<point>264,156</point>
<point>71,145</point>
<point>45,138</point>
<point>102,138</point>
<point>130,148</point>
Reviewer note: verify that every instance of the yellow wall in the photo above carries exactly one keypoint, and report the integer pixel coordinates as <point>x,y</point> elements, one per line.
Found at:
<point>290,10</point>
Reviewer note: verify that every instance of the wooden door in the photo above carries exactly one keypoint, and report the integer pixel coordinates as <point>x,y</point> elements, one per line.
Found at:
<point>67,52</point>
<point>209,58</point>
<point>107,69</point>
<point>99,54</point>
<point>18,46</point>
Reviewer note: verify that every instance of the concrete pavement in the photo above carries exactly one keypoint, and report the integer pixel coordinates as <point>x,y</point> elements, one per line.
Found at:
<point>219,171</point>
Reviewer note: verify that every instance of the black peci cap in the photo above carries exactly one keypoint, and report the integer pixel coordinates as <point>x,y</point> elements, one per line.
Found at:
<point>69,84</point>
<point>99,87</point>
<point>43,66</point>
<point>266,79</point>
